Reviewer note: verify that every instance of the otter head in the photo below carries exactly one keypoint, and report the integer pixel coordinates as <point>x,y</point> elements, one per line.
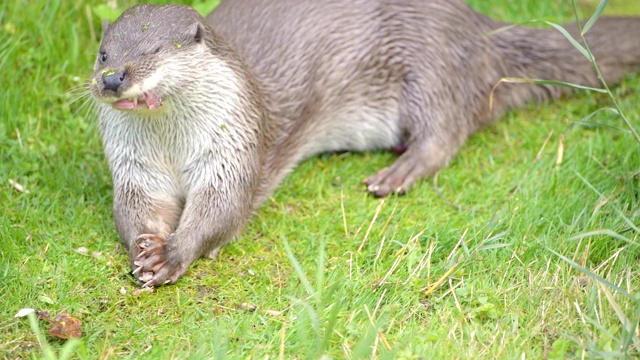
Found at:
<point>138,64</point>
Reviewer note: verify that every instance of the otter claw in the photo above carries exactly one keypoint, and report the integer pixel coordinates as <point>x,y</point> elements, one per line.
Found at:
<point>149,260</point>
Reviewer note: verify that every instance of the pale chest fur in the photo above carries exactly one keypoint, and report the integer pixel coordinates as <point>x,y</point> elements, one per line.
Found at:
<point>179,149</point>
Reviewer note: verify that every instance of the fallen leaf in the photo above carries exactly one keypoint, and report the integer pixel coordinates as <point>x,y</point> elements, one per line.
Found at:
<point>63,325</point>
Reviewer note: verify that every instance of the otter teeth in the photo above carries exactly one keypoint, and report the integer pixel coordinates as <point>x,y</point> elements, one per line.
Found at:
<point>151,100</point>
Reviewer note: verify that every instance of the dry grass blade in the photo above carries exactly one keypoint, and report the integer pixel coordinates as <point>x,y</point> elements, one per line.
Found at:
<point>402,254</point>
<point>514,80</point>
<point>628,326</point>
<point>441,280</point>
<point>373,221</point>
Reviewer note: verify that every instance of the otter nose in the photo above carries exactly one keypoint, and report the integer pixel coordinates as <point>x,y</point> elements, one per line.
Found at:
<point>113,80</point>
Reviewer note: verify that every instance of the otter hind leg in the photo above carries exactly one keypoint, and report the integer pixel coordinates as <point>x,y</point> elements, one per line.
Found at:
<point>430,119</point>
<point>414,164</point>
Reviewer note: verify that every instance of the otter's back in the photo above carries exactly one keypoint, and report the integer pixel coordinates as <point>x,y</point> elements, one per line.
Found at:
<point>347,61</point>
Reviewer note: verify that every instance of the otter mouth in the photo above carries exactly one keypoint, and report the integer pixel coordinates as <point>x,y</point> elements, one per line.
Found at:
<point>149,101</point>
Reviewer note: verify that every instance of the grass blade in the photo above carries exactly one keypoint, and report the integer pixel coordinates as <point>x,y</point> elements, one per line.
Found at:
<point>606,232</point>
<point>595,16</point>
<point>573,41</point>
<point>320,274</point>
<point>47,351</point>
<point>69,347</point>
<point>553,83</point>
<point>298,268</point>
<point>628,325</point>
<point>514,80</point>
<point>595,276</point>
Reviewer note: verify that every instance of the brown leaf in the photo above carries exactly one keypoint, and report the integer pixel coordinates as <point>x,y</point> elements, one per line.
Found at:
<point>63,326</point>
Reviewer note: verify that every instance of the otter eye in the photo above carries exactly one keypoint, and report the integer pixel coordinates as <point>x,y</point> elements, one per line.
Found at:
<point>103,56</point>
<point>153,52</point>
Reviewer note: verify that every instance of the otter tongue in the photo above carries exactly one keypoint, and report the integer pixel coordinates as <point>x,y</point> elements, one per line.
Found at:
<point>125,104</point>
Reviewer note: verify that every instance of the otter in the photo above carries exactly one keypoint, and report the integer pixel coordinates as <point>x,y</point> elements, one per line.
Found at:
<point>202,118</point>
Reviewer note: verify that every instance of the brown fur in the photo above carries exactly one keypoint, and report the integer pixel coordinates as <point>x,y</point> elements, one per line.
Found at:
<point>236,101</point>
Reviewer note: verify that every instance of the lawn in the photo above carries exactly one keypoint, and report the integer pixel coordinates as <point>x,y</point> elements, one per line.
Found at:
<point>526,246</point>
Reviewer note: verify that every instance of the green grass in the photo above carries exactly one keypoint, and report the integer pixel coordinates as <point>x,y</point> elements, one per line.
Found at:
<point>331,271</point>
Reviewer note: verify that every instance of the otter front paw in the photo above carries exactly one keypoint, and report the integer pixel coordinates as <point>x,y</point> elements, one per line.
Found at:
<point>152,265</point>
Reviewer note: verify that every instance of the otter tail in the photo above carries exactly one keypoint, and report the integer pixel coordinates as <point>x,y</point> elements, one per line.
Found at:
<point>547,54</point>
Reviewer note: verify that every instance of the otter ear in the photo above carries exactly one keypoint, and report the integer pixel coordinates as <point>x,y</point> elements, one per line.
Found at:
<point>197,33</point>
<point>105,26</point>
